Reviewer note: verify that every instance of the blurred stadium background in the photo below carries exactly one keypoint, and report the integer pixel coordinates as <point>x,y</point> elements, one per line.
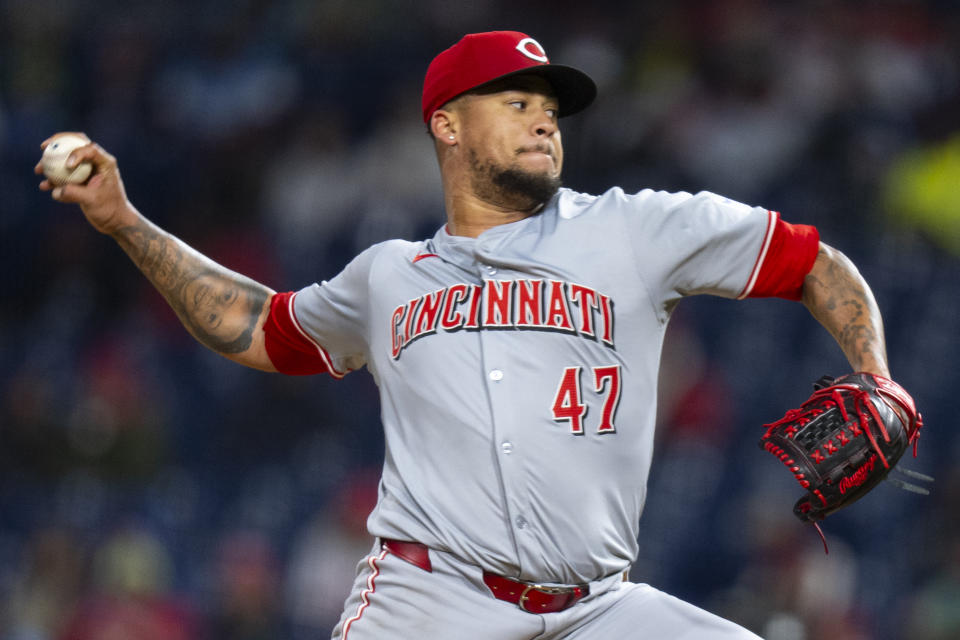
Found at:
<point>149,489</point>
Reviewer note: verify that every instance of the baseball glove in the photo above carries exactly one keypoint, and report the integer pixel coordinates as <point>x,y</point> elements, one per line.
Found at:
<point>844,440</point>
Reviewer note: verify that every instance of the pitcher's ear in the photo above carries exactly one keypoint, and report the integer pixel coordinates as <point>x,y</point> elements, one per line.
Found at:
<point>443,126</point>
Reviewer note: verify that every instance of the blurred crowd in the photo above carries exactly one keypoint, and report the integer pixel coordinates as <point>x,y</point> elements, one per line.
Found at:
<point>150,489</point>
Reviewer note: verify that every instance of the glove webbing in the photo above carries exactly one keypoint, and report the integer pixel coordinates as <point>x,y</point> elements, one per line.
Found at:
<point>861,404</point>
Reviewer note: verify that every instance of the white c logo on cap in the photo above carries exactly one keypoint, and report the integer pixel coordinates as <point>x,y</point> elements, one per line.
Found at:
<point>537,53</point>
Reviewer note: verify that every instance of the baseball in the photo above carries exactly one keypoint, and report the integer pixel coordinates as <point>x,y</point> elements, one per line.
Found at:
<point>54,161</point>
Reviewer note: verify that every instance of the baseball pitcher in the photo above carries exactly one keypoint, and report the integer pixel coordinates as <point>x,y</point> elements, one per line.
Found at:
<point>516,353</point>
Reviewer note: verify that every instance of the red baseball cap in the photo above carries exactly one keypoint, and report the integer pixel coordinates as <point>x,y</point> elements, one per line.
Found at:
<point>479,58</point>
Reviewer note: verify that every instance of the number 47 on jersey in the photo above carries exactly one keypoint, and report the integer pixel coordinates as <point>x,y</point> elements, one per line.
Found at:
<point>569,406</point>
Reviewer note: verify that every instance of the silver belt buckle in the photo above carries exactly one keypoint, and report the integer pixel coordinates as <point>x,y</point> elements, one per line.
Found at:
<point>540,587</point>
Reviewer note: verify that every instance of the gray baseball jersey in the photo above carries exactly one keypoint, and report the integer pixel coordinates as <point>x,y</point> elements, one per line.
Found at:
<point>517,370</point>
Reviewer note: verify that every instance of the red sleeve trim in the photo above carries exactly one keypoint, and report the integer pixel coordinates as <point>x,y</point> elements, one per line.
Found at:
<point>291,349</point>
<point>785,259</point>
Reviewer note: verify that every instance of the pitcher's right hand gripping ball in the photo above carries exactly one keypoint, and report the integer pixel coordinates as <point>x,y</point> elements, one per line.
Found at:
<point>843,440</point>
<point>54,160</point>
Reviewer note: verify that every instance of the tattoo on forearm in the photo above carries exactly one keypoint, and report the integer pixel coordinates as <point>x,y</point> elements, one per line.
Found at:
<point>855,334</point>
<point>200,292</point>
<point>845,306</point>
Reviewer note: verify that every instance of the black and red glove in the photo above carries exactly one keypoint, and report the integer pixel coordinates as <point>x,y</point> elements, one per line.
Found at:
<point>844,440</point>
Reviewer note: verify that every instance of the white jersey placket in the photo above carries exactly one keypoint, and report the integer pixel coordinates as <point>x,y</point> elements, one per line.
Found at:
<point>494,348</point>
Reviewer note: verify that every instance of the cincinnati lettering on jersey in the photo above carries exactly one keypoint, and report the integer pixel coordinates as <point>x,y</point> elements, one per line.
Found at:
<point>525,304</point>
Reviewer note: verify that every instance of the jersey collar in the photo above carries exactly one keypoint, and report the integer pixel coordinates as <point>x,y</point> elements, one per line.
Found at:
<point>468,252</point>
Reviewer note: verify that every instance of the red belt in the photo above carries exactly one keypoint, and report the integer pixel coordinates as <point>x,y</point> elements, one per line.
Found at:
<point>534,598</point>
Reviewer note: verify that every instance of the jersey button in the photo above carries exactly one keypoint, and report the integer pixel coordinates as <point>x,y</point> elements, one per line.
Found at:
<point>507,447</point>
<point>521,522</point>
<point>490,270</point>
<point>496,375</point>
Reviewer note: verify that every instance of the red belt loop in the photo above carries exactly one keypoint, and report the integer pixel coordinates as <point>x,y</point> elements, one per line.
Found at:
<point>533,598</point>
<point>413,552</point>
